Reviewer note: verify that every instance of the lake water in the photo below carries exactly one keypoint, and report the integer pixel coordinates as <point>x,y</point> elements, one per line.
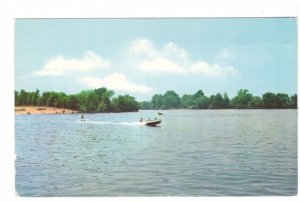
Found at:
<point>192,153</point>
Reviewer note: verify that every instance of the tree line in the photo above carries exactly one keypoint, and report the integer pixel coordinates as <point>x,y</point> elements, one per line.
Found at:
<point>243,100</point>
<point>102,100</point>
<point>90,101</point>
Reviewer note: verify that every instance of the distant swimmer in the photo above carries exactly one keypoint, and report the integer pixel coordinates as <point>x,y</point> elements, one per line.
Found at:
<point>82,118</point>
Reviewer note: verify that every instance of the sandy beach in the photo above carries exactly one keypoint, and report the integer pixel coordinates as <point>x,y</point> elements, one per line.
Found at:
<point>42,110</point>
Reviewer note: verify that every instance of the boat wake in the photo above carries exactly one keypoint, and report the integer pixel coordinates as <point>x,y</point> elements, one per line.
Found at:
<point>136,123</point>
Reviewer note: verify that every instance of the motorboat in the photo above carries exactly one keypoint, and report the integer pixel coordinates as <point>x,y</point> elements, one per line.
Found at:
<point>150,122</point>
<point>153,122</point>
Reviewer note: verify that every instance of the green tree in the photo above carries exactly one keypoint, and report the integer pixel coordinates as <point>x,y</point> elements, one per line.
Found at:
<point>92,102</point>
<point>282,101</point>
<point>171,100</point>
<point>22,97</point>
<point>62,100</point>
<point>201,102</point>
<point>242,99</point>
<point>35,98</point>
<point>17,98</point>
<point>145,105</point>
<point>269,100</point>
<point>102,107</point>
<point>100,92</point>
<point>52,100</point>
<point>293,103</point>
<point>82,101</point>
<point>29,96</point>
<point>72,102</point>
<point>44,98</point>
<point>157,101</point>
<point>125,103</point>
<point>198,94</point>
<point>187,101</point>
<point>226,101</point>
<point>106,99</point>
<point>216,101</point>
<point>255,103</point>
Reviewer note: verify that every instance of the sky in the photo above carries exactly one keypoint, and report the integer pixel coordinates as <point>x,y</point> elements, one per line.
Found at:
<point>143,57</point>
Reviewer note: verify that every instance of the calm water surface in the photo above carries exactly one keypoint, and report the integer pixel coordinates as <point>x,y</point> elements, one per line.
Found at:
<point>192,153</point>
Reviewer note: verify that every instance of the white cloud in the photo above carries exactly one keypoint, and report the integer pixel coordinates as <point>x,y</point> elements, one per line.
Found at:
<point>115,81</point>
<point>170,58</point>
<point>173,59</point>
<point>160,64</point>
<point>60,65</point>
<point>213,70</point>
<point>144,46</point>
<point>171,49</point>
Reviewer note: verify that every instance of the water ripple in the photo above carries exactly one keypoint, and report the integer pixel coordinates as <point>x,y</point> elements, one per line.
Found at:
<point>193,153</point>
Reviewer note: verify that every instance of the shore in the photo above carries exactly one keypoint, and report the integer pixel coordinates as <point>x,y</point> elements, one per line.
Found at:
<point>42,110</point>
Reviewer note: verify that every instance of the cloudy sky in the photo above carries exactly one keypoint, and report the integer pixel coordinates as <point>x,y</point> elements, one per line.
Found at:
<point>142,57</point>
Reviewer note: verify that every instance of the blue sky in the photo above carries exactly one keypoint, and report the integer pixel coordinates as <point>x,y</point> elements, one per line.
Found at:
<point>142,57</point>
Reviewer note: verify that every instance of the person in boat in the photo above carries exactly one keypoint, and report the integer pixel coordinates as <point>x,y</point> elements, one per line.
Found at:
<point>141,119</point>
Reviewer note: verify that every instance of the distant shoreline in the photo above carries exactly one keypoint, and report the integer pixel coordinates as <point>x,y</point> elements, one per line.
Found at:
<point>21,110</point>
<point>42,110</point>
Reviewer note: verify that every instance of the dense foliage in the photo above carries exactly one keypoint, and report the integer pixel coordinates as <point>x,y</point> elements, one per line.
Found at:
<point>98,100</point>
<point>102,100</point>
<point>243,100</point>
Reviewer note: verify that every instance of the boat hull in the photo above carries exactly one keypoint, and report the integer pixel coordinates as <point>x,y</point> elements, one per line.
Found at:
<point>152,123</point>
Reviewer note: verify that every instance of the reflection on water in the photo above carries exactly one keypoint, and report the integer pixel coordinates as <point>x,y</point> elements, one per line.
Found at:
<point>193,153</point>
